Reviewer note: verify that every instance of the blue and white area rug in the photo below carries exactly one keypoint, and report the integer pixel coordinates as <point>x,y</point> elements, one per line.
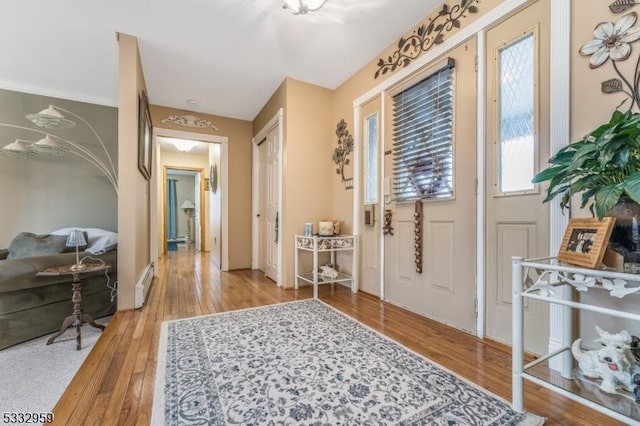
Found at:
<point>306,363</point>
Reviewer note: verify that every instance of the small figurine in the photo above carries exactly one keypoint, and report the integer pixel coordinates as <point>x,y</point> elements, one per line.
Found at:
<point>327,271</point>
<point>613,362</point>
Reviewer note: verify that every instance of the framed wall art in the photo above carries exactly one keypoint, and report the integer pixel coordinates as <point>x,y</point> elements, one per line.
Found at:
<point>585,241</point>
<point>144,136</point>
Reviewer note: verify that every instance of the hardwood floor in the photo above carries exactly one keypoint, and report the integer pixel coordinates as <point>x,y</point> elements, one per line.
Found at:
<point>115,384</point>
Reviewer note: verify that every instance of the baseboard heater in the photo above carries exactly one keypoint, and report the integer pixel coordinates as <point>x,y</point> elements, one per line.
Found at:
<point>143,285</point>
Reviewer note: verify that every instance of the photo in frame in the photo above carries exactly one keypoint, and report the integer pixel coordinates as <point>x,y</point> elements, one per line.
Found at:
<point>585,241</point>
<point>144,136</point>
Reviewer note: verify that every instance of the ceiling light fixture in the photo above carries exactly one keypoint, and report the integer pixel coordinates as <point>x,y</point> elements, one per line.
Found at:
<point>302,7</point>
<point>183,145</point>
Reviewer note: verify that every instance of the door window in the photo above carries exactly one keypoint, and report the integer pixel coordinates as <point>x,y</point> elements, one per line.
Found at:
<point>516,118</point>
<point>371,160</point>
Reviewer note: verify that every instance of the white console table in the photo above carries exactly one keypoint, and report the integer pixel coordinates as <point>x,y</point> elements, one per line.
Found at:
<point>317,244</point>
<point>542,279</point>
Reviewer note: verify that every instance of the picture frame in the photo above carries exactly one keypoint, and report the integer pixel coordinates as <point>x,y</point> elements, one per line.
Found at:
<point>585,241</point>
<point>144,136</point>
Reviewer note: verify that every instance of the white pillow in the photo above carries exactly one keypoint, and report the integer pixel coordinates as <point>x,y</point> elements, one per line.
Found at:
<point>99,240</point>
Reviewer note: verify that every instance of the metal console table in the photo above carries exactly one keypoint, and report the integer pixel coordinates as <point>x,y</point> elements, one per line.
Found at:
<point>542,279</point>
<point>332,244</point>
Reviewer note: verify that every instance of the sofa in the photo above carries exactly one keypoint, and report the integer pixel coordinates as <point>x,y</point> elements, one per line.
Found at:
<point>32,305</point>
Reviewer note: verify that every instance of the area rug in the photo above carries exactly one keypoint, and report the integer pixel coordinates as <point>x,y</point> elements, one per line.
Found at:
<point>307,363</point>
<point>34,375</point>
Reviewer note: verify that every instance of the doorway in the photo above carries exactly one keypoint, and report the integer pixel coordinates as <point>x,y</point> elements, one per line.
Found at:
<point>184,156</point>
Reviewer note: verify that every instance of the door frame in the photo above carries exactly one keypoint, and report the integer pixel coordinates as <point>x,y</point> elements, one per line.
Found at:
<point>163,229</point>
<point>276,121</point>
<point>560,79</point>
<point>156,185</point>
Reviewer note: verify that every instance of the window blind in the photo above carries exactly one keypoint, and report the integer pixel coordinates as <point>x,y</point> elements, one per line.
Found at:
<point>423,138</point>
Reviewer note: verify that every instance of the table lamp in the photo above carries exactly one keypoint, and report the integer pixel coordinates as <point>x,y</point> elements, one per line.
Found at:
<point>76,239</point>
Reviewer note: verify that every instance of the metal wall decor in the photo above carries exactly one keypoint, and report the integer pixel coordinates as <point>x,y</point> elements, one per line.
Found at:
<point>613,41</point>
<point>417,220</point>
<point>189,121</point>
<point>342,151</point>
<point>427,35</point>
<point>213,177</point>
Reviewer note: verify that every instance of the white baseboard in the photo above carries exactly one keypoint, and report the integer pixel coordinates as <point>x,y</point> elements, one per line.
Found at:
<point>143,285</point>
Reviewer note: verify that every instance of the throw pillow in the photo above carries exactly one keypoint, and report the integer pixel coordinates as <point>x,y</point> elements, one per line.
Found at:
<point>27,244</point>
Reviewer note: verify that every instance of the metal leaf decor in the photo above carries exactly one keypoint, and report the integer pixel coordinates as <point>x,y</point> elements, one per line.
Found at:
<point>345,146</point>
<point>620,6</point>
<point>427,35</point>
<point>613,85</point>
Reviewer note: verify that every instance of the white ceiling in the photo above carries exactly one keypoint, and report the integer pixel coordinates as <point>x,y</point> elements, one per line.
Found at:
<point>200,148</point>
<point>230,55</point>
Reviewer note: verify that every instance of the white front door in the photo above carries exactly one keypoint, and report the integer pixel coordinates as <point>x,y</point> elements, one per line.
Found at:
<point>517,222</point>
<point>269,219</point>
<point>445,289</point>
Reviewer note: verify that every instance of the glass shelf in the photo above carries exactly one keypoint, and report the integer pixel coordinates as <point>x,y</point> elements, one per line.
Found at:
<point>582,389</point>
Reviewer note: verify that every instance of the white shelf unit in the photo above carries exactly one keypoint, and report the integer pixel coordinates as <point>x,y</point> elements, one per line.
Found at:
<point>542,279</point>
<point>318,244</point>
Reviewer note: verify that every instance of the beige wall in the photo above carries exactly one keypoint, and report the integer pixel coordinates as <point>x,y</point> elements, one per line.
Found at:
<point>133,206</point>
<point>45,193</point>
<point>307,160</point>
<point>239,135</point>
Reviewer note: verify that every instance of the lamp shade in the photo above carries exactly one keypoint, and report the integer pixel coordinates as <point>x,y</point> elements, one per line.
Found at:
<point>18,148</point>
<point>76,238</point>
<point>50,118</point>
<point>188,204</point>
<point>48,145</point>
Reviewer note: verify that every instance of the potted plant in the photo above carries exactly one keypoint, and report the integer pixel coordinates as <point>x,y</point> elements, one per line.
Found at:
<point>604,166</point>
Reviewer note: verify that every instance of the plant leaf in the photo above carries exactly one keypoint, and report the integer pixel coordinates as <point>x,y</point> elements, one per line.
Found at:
<point>606,198</point>
<point>632,186</point>
<point>547,174</point>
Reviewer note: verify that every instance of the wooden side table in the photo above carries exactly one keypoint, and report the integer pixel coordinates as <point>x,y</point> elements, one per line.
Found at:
<point>77,317</point>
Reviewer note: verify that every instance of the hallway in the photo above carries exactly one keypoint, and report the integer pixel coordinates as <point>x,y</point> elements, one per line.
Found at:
<point>115,385</point>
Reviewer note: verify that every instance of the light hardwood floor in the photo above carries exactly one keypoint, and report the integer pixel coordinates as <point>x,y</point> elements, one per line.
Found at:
<point>115,384</point>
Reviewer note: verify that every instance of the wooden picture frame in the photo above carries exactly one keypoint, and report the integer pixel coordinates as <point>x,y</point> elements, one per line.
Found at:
<point>585,241</point>
<point>144,136</point>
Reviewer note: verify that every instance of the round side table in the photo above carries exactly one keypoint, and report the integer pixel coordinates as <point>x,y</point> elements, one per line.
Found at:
<point>77,317</point>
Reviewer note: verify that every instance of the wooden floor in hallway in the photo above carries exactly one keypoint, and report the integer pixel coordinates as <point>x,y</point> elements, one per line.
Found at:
<point>115,385</point>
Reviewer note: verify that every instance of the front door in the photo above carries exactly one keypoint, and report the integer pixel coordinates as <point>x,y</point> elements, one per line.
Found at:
<point>517,222</point>
<point>445,289</point>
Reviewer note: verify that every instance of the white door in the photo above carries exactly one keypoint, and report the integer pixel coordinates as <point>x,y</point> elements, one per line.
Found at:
<point>517,222</point>
<point>445,289</point>
<point>370,229</point>
<point>269,215</point>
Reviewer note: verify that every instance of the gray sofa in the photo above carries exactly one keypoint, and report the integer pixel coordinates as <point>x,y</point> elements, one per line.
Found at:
<point>32,306</point>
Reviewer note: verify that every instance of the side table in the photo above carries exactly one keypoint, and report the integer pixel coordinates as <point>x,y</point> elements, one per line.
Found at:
<point>77,317</point>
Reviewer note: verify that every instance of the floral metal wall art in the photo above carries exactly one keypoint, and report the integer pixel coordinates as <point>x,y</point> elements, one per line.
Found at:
<point>344,148</point>
<point>427,35</point>
<point>613,41</point>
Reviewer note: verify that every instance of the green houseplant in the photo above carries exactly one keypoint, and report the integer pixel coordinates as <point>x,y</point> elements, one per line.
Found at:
<point>604,166</point>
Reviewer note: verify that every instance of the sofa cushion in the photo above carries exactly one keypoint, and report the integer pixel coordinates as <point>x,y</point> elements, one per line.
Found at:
<point>27,244</point>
